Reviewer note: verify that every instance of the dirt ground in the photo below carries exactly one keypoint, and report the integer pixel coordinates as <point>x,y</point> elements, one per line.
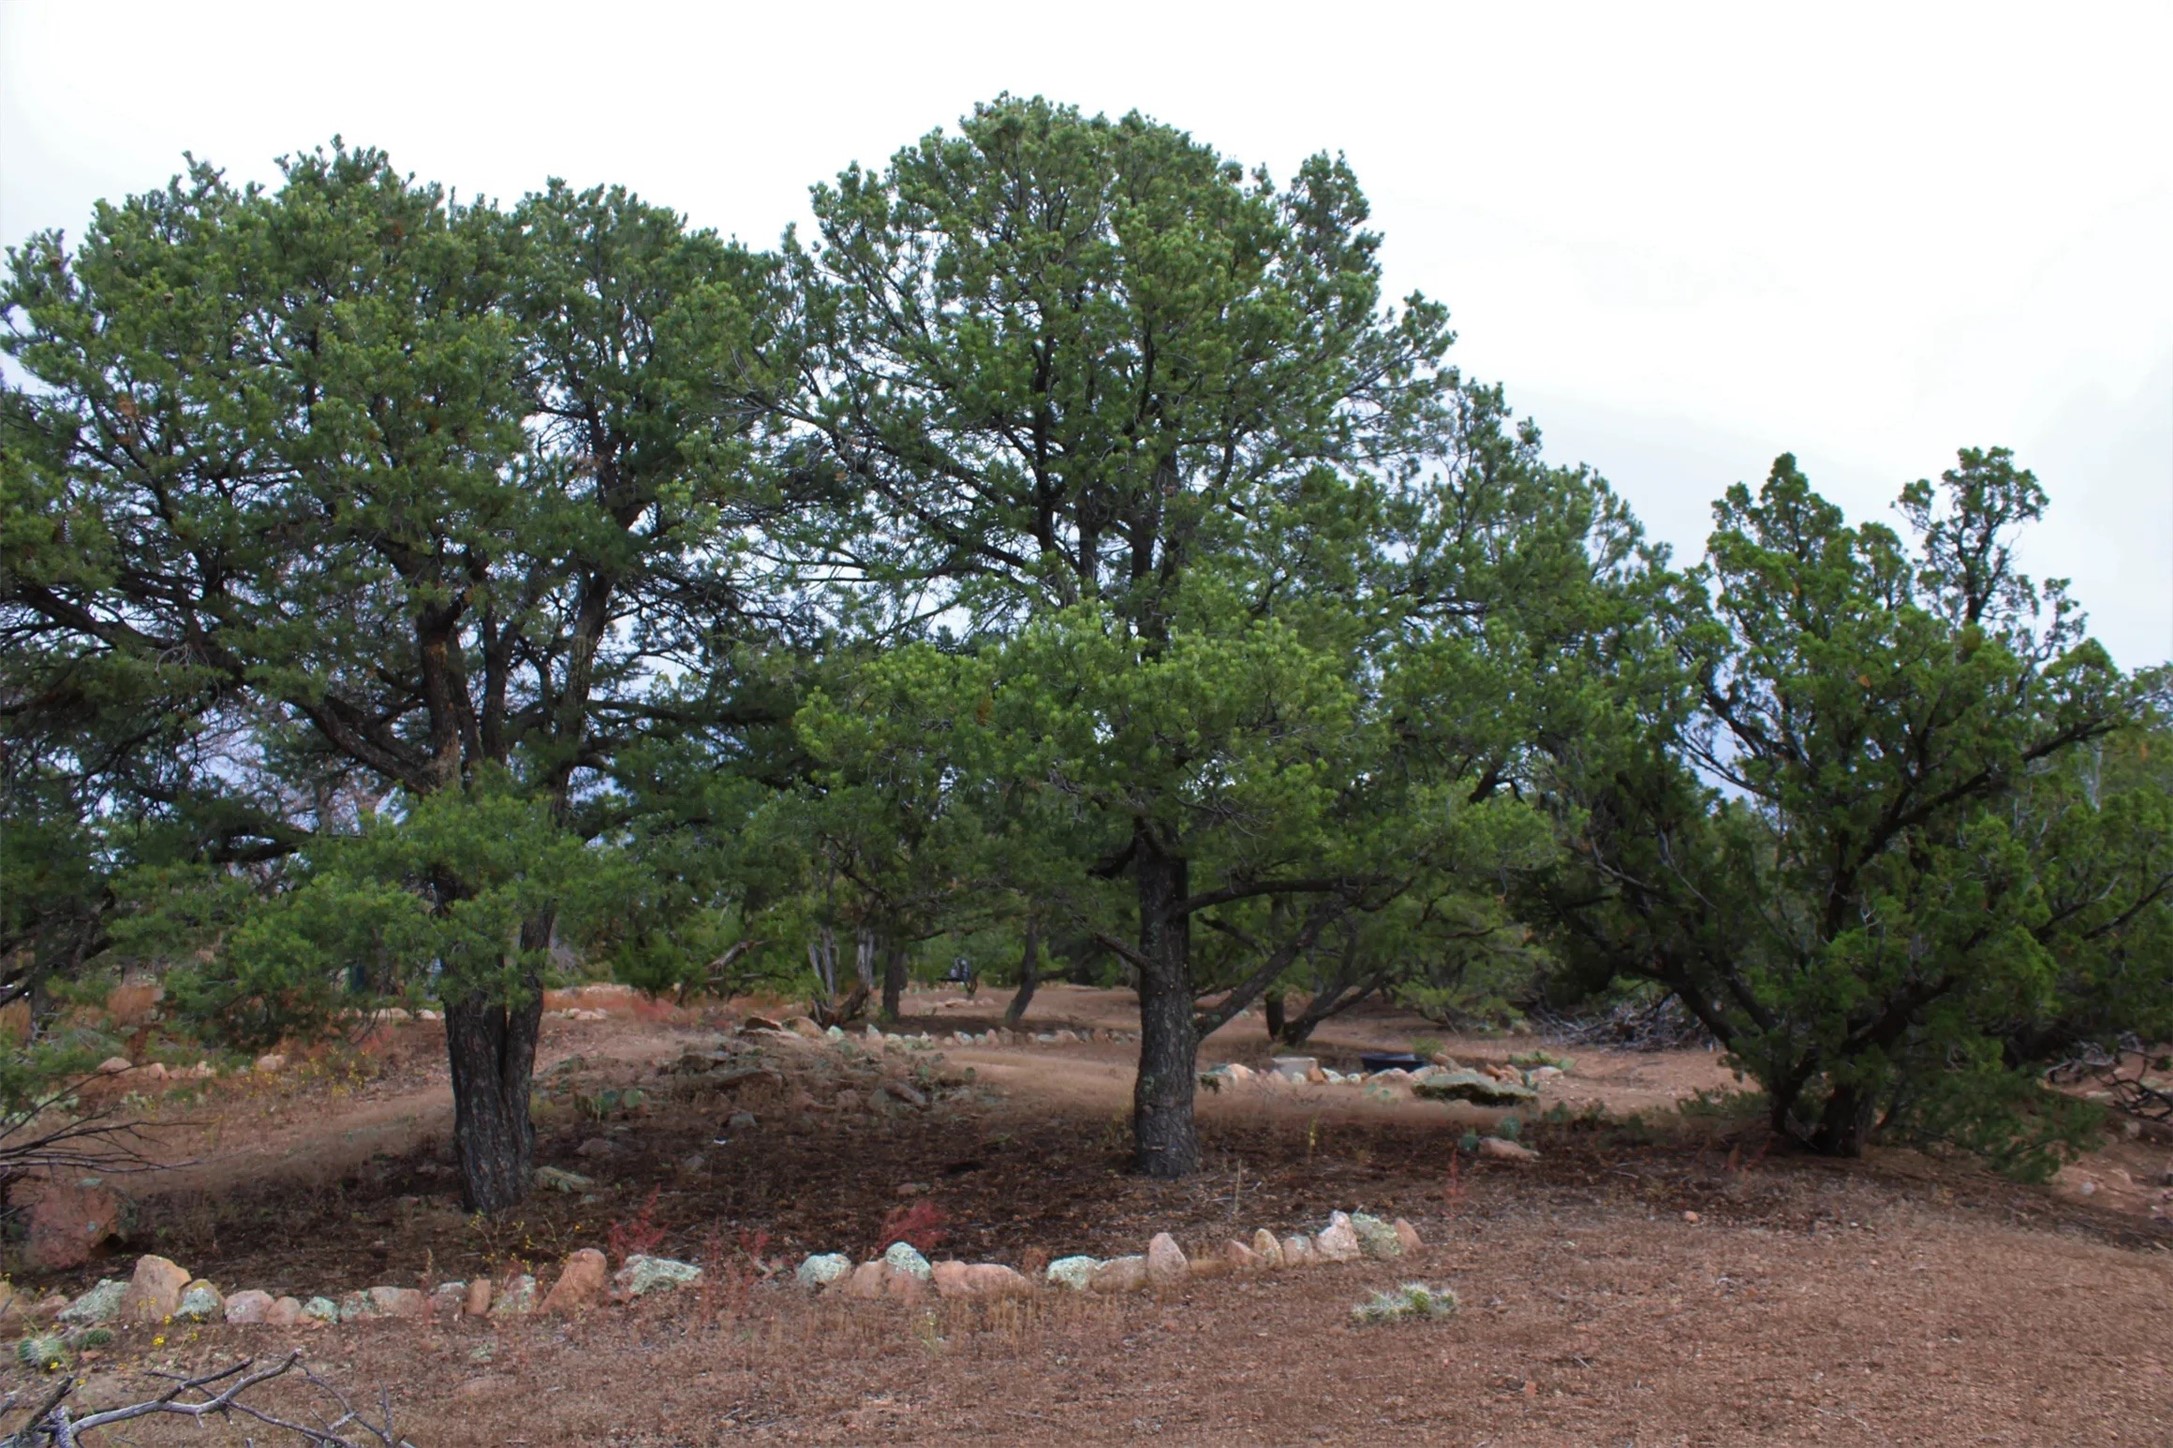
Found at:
<point>1655,1277</point>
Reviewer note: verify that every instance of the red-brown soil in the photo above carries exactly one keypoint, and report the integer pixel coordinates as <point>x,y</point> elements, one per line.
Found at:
<point>1900,1298</point>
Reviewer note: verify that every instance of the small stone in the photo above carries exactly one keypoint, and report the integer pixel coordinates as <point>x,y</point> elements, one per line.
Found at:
<point>847,1100</point>
<point>911,1095</point>
<point>741,1121</point>
<point>1295,1068</point>
<point>594,1147</point>
<point>1408,1235</point>
<point>1076,1273</point>
<point>476,1302</point>
<point>1166,1264</point>
<point>1494,1148</point>
<point>1376,1238</point>
<point>285,1312</point>
<point>994,1279</point>
<point>1298,1252</point>
<point>1338,1241</point>
<point>356,1306</point>
<point>1241,1257</point>
<point>903,1257</point>
<point>560,1180</point>
<point>200,1302</point>
<point>115,1065</point>
<point>321,1309</point>
<point>642,1275</point>
<point>1120,1274</point>
<point>516,1297</point>
<point>448,1299</point>
<point>270,1062</point>
<point>693,1164</point>
<point>246,1308</point>
<point>835,1033</point>
<point>1266,1248</point>
<point>823,1268</point>
<point>867,1281</point>
<point>154,1291</point>
<point>1692,1217</point>
<point>803,1026</point>
<point>99,1305</point>
<point>581,1283</point>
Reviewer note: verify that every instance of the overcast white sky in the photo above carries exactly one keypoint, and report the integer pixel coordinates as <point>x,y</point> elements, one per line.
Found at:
<point>1686,238</point>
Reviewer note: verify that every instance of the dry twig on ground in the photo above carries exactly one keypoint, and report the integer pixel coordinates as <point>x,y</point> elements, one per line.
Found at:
<point>219,1394</point>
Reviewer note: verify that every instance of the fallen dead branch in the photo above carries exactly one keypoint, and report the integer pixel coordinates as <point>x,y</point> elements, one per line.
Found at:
<point>220,1395</point>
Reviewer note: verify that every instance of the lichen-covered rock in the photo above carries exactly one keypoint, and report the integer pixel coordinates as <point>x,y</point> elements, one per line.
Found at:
<point>99,1305</point>
<point>1075,1273</point>
<point>1266,1248</point>
<point>447,1299</point>
<point>248,1308</point>
<point>1376,1238</point>
<point>1166,1264</point>
<point>1475,1087</point>
<point>516,1297</point>
<point>1337,1242</point>
<point>1120,1274</point>
<point>823,1268</point>
<point>321,1309</point>
<point>355,1306</point>
<point>903,1257</point>
<point>200,1302</point>
<point>560,1180</point>
<point>644,1275</point>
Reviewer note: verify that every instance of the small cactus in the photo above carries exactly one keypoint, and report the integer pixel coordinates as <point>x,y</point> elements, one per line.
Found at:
<point>1412,1300</point>
<point>94,1337</point>
<point>42,1354</point>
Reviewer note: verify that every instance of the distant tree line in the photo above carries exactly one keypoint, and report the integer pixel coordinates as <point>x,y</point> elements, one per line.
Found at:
<point>1064,557</point>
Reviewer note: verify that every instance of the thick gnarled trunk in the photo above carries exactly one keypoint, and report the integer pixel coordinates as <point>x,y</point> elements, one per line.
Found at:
<point>492,1051</point>
<point>1167,1142</point>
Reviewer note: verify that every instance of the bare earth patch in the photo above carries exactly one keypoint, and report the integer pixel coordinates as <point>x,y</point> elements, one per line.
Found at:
<point>1899,1299</point>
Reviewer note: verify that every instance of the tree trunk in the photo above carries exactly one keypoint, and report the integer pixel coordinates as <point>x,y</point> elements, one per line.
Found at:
<point>1029,976</point>
<point>492,1051</point>
<point>1165,1140</point>
<point>1843,1124</point>
<point>1276,1009</point>
<point>894,984</point>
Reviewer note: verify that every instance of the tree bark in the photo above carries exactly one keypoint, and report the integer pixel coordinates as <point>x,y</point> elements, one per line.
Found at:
<point>894,983</point>
<point>1843,1124</point>
<point>1277,1010</point>
<point>1166,1140</point>
<point>1029,975</point>
<point>492,1051</point>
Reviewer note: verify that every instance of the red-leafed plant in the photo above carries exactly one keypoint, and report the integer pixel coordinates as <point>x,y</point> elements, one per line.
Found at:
<point>920,1226</point>
<point>638,1235</point>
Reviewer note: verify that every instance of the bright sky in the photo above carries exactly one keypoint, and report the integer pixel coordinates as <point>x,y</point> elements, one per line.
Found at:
<point>1686,238</point>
